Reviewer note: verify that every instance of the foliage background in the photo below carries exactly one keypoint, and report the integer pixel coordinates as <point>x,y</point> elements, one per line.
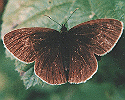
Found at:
<point>109,81</point>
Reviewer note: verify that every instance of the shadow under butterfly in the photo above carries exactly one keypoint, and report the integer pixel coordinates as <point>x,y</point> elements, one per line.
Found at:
<point>68,55</point>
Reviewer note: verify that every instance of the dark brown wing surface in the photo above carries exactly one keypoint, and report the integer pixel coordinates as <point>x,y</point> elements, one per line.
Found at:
<point>49,67</point>
<point>100,35</point>
<point>92,37</point>
<point>39,45</point>
<point>83,64</point>
<point>26,43</point>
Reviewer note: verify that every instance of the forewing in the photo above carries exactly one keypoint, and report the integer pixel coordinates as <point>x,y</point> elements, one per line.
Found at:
<point>99,35</point>
<point>83,64</point>
<point>25,43</point>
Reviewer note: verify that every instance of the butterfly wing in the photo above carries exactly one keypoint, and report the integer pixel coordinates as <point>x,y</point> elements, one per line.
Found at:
<point>100,35</point>
<point>83,64</point>
<point>49,67</point>
<point>24,43</point>
<point>92,37</point>
<point>39,45</point>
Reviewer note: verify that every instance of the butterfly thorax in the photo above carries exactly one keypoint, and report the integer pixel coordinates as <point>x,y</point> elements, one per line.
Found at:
<point>64,36</point>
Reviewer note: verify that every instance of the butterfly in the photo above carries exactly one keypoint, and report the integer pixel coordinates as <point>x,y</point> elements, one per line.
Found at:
<point>68,55</point>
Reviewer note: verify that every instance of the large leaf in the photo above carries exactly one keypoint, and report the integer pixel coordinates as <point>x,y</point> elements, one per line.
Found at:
<point>29,13</point>
<point>27,73</point>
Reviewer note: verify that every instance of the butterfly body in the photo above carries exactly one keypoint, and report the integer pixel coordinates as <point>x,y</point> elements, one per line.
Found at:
<point>68,55</point>
<point>65,48</point>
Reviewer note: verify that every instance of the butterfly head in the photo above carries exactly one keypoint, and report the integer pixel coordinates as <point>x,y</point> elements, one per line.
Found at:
<point>63,28</point>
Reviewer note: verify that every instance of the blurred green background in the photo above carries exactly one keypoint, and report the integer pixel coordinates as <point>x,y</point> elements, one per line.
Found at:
<point>109,81</point>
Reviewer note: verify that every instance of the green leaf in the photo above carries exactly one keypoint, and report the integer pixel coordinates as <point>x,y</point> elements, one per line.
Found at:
<point>29,13</point>
<point>109,9</point>
<point>27,74</point>
<point>30,79</point>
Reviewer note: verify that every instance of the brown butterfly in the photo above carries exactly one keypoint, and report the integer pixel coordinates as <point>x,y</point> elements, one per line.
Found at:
<point>68,55</point>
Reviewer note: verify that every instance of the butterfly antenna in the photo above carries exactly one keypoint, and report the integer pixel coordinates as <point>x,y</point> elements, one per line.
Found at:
<point>71,15</point>
<point>53,20</point>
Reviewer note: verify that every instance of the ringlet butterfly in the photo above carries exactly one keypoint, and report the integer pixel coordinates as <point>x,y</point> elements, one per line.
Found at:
<point>68,55</point>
